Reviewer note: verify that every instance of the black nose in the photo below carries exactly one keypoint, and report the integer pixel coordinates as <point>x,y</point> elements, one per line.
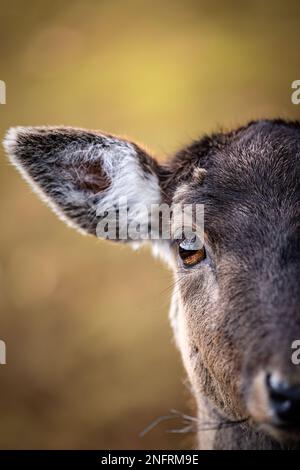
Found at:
<point>285,401</point>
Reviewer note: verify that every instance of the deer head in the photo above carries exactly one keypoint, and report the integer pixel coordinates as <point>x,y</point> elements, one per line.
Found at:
<point>236,308</point>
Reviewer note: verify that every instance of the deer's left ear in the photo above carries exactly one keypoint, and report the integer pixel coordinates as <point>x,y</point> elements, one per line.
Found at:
<point>80,173</point>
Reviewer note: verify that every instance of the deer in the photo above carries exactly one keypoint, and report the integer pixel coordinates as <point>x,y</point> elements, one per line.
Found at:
<point>235,310</point>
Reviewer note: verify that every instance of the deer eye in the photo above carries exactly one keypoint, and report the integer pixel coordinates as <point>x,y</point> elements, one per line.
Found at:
<point>191,252</point>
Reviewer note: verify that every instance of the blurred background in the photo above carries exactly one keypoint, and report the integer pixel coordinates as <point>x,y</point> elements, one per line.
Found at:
<point>90,356</point>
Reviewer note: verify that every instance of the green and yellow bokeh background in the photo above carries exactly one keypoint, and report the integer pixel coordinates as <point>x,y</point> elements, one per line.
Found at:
<point>90,357</point>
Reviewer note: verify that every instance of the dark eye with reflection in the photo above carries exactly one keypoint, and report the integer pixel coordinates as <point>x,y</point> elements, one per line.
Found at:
<point>191,251</point>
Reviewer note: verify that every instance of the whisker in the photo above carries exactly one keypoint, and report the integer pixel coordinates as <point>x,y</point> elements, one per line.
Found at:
<point>173,285</point>
<point>186,430</point>
<point>154,423</point>
<point>192,424</point>
<point>184,416</point>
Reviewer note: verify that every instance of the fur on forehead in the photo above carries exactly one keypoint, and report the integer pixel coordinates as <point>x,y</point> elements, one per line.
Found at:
<point>227,153</point>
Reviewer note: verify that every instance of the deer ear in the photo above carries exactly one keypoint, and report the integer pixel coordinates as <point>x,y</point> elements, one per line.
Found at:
<point>80,174</point>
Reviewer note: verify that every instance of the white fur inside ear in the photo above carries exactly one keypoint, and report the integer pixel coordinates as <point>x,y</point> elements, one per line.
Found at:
<point>128,179</point>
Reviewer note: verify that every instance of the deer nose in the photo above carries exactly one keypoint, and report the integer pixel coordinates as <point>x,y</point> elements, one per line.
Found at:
<point>284,400</point>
